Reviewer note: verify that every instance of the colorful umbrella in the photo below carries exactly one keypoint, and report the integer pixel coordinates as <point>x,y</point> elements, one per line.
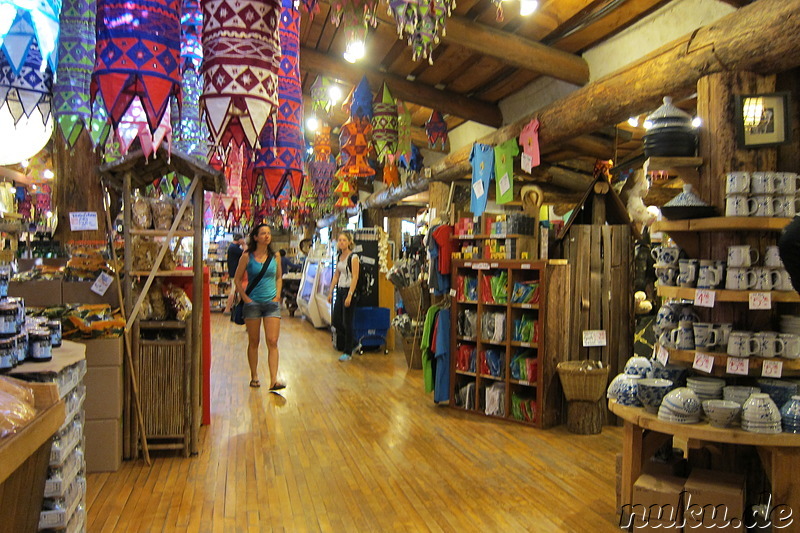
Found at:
<point>384,124</point>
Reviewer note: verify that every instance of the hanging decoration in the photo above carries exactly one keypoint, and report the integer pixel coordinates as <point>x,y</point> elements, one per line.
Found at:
<point>241,54</point>
<point>42,25</point>
<point>384,124</point>
<point>138,50</point>
<point>323,91</point>
<point>345,191</point>
<point>280,158</point>
<point>322,167</point>
<point>421,23</point>
<point>436,129</point>
<point>134,124</point>
<point>192,137</point>
<point>354,144</point>
<point>72,105</point>
<point>358,103</point>
<point>409,164</point>
<point>391,175</point>
<point>403,129</point>
<point>529,141</point>
<point>356,16</point>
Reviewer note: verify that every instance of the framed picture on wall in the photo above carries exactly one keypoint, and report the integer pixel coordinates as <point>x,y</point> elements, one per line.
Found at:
<point>762,119</point>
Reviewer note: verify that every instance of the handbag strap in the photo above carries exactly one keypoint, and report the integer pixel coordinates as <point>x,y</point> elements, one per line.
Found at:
<point>252,283</point>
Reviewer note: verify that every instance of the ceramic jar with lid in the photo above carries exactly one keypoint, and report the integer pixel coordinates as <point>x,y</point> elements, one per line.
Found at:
<point>671,133</point>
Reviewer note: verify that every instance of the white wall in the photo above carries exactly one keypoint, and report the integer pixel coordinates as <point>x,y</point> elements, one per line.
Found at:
<point>466,134</point>
<point>536,95</point>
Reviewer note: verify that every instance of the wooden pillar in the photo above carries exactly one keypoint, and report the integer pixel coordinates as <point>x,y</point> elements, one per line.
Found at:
<point>789,155</point>
<point>438,194</point>
<point>77,186</point>
<point>197,319</point>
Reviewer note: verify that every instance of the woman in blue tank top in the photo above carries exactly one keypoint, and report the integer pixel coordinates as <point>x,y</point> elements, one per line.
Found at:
<point>261,302</point>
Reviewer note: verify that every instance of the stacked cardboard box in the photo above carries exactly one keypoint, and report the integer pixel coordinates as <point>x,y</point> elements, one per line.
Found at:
<point>103,404</point>
<point>714,500</point>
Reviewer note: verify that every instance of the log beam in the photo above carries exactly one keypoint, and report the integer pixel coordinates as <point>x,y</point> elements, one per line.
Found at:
<point>742,40</point>
<point>445,101</point>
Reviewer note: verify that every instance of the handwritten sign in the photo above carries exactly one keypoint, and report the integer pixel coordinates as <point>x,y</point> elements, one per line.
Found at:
<point>505,184</point>
<point>703,362</point>
<point>594,337</point>
<point>527,162</point>
<point>737,365</point>
<point>481,266</point>
<point>760,300</point>
<point>83,221</point>
<point>495,265</point>
<point>772,369</point>
<point>704,298</point>
<point>524,382</point>
<point>101,284</point>
<point>526,266</point>
<point>662,354</point>
<point>477,187</point>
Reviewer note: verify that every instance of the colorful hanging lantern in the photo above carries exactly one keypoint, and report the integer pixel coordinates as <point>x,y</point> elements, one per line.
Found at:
<point>356,16</point>
<point>322,95</point>
<point>134,124</point>
<point>42,26</point>
<point>384,124</point>
<point>358,103</point>
<point>138,50</point>
<point>72,105</point>
<point>403,129</point>
<point>345,190</point>
<point>421,23</point>
<point>391,175</point>
<point>357,133</point>
<point>241,54</point>
<point>280,158</point>
<point>413,161</point>
<point>436,129</point>
<point>193,134</point>
<point>322,166</point>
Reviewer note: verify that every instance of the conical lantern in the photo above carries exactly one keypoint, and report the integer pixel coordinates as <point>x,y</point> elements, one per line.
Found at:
<point>421,23</point>
<point>403,129</point>
<point>384,124</point>
<point>358,103</point>
<point>436,129</point>
<point>357,133</point>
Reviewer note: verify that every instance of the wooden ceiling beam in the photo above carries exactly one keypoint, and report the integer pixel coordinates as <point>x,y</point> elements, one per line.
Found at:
<point>425,95</point>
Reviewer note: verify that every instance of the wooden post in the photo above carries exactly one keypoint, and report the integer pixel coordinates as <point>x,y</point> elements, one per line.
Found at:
<point>437,197</point>
<point>197,318</point>
<point>128,428</point>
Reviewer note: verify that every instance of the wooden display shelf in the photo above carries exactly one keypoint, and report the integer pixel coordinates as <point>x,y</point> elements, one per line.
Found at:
<point>161,324</point>
<point>701,431</point>
<point>721,361</point>
<point>671,163</point>
<point>492,343</point>
<point>491,377</point>
<point>160,233</point>
<point>164,273</point>
<point>466,373</point>
<point>467,339</point>
<point>484,236</point>
<point>469,302</point>
<point>520,344</point>
<point>522,382</point>
<point>494,305</point>
<point>688,293</point>
<point>722,224</point>
<point>525,306</point>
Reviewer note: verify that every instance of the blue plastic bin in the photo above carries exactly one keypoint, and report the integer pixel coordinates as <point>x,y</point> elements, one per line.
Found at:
<point>370,327</point>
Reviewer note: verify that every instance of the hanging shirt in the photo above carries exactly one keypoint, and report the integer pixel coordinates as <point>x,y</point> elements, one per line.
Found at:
<point>425,345</point>
<point>504,155</point>
<point>529,140</point>
<point>441,389</point>
<point>482,161</point>
<point>442,235</point>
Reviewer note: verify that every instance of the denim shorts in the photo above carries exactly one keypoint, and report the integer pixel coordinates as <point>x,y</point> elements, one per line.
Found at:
<point>254,310</point>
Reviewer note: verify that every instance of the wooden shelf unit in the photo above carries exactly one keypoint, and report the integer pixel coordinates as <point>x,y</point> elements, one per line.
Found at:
<point>688,293</point>
<point>790,366</point>
<point>722,224</point>
<point>551,316</point>
<point>164,273</point>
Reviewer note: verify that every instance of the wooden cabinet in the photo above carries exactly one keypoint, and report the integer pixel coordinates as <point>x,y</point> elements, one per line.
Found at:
<point>508,368</point>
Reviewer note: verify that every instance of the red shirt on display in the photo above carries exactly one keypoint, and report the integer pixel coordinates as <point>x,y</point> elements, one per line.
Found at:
<point>442,236</point>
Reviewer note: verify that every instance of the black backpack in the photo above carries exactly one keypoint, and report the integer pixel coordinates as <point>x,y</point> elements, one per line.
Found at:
<point>361,283</point>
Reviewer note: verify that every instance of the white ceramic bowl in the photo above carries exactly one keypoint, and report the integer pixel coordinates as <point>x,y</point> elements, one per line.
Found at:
<point>721,413</point>
<point>760,409</point>
<point>638,366</point>
<point>738,393</point>
<point>683,401</point>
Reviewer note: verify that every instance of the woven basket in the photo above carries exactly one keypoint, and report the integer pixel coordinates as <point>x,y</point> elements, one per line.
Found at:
<point>413,353</point>
<point>416,299</point>
<point>583,380</point>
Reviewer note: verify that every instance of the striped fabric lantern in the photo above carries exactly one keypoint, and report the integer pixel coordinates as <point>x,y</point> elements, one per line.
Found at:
<point>403,130</point>
<point>24,85</point>
<point>384,124</point>
<point>436,129</point>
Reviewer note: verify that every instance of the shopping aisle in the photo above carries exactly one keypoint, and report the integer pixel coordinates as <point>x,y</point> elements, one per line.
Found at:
<point>355,446</point>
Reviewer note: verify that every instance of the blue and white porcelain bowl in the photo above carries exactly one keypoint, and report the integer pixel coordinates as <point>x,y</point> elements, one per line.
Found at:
<point>790,415</point>
<point>738,393</point>
<point>627,392</point>
<point>651,391</point>
<point>721,413</point>
<point>675,373</point>
<point>779,390</point>
<point>638,366</point>
<point>682,402</point>
<point>612,393</point>
<point>760,409</point>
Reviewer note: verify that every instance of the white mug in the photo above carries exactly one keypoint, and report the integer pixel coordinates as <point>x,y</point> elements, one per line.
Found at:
<point>764,206</point>
<point>705,336</point>
<point>739,205</point>
<point>723,332</point>
<point>737,183</point>
<point>665,255</point>
<point>742,344</point>
<point>740,279</point>
<point>707,276</point>
<point>784,281</point>
<point>766,278</point>
<point>688,272</point>
<point>741,256</point>
<point>666,275</point>
<point>682,337</point>
<point>791,345</point>
<point>762,182</point>
<point>772,258</point>
<point>786,206</point>
<point>770,344</point>
<point>787,183</point>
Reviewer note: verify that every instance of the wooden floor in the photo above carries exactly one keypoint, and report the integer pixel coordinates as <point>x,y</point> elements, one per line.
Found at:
<point>356,446</point>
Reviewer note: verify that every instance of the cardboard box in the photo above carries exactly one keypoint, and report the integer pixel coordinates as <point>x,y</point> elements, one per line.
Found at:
<point>80,292</point>
<point>103,445</point>
<point>657,502</point>
<point>714,500</point>
<point>103,392</point>
<point>37,293</point>
<point>104,352</point>
<point>29,264</point>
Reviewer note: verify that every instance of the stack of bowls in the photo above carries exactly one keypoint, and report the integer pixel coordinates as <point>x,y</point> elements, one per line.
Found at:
<point>651,391</point>
<point>721,413</point>
<point>779,390</point>
<point>760,414</point>
<point>706,388</point>
<point>790,415</point>
<point>738,393</point>
<point>675,373</point>
<point>638,366</point>
<point>681,406</point>
<point>623,389</point>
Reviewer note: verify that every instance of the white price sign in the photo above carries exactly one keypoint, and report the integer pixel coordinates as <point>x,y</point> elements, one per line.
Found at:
<point>772,369</point>
<point>526,266</point>
<point>481,266</point>
<point>594,337</point>
<point>703,362</point>
<point>737,365</point>
<point>760,300</point>
<point>704,298</point>
<point>662,354</point>
<point>101,284</point>
<point>453,293</point>
<point>83,221</point>
<point>477,187</point>
<point>527,162</point>
<point>505,184</point>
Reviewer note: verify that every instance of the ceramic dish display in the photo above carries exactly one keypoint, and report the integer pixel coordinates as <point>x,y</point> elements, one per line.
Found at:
<point>651,391</point>
<point>680,405</point>
<point>638,366</point>
<point>790,415</point>
<point>687,205</point>
<point>706,388</point>
<point>721,413</point>
<point>738,393</point>
<point>779,390</point>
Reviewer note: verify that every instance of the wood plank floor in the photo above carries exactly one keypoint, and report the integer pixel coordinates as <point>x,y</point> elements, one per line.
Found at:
<point>356,446</point>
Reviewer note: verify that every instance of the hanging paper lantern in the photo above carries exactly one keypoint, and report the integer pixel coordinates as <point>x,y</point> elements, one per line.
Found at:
<point>384,124</point>
<point>322,166</point>
<point>321,98</point>
<point>138,49</point>
<point>357,133</point>
<point>421,23</point>
<point>345,190</point>
<point>280,158</point>
<point>134,124</point>
<point>72,105</point>
<point>356,16</point>
<point>42,26</point>
<point>241,54</point>
<point>412,162</point>
<point>436,129</point>
<point>403,129</point>
<point>391,175</point>
<point>192,137</point>
<point>358,103</point>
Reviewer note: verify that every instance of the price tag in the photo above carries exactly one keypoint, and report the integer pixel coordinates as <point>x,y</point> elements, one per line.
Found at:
<point>704,298</point>
<point>527,306</point>
<point>662,354</point>
<point>524,382</point>
<point>594,337</point>
<point>83,221</point>
<point>495,265</point>
<point>760,300</point>
<point>703,362</point>
<point>453,293</point>
<point>526,266</point>
<point>477,187</point>
<point>527,162</point>
<point>505,184</point>
<point>526,345</point>
<point>102,283</point>
<point>737,365</point>
<point>480,266</point>
<point>468,264</point>
<point>772,369</point>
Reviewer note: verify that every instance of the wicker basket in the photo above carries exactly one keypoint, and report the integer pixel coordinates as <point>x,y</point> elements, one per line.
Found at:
<point>416,299</point>
<point>411,348</point>
<point>583,380</point>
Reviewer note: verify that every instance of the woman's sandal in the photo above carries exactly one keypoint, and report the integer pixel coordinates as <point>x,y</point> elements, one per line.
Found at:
<point>255,383</point>
<point>277,386</point>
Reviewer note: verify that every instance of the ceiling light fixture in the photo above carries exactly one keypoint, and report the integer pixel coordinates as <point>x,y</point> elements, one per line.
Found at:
<point>355,51</point>
<point>527,7</point>
<point>48,174</point>
<point>648,124</point>
<point>334,93</point>
<point>697,122</point>
<point>312,123</point>
<point>634,122</point>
